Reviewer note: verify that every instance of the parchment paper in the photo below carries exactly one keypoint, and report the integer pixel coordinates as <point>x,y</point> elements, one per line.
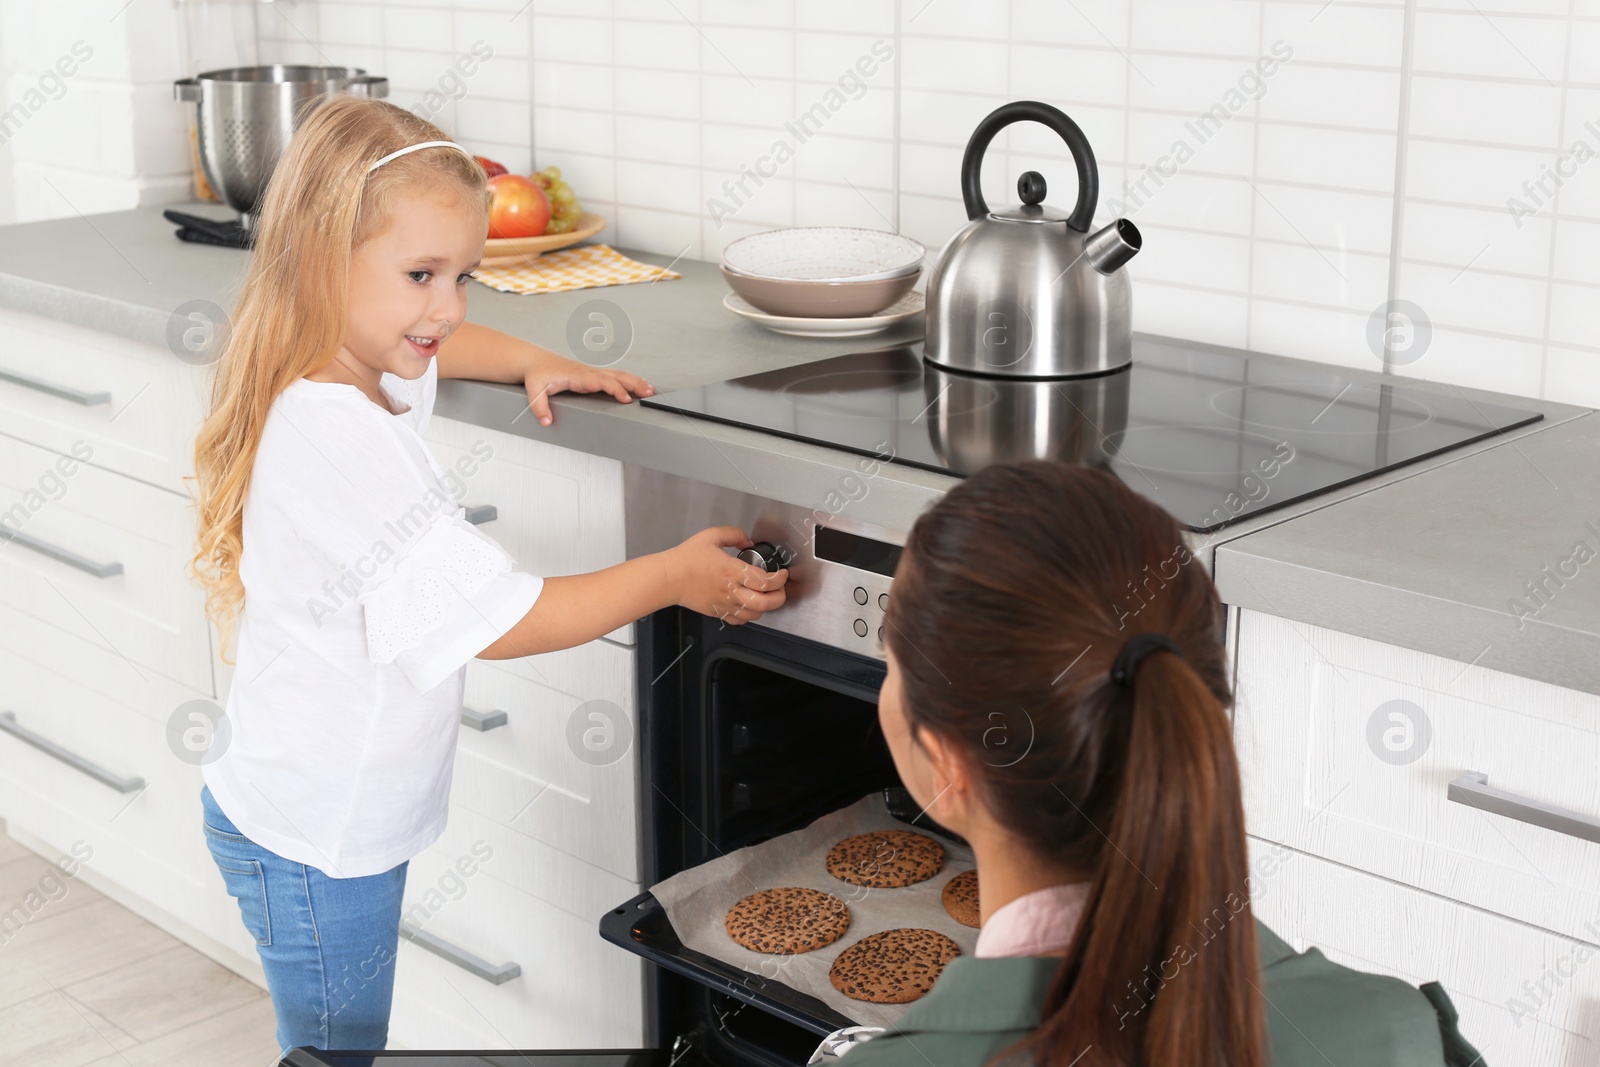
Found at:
<point>697,903</point>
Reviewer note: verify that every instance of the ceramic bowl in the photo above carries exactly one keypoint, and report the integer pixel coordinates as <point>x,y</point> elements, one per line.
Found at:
<point>820,299</point>
<point>824,254</point>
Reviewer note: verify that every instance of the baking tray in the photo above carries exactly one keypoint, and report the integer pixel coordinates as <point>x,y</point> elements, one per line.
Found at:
<point>641,925</point>
<point>800,992</point>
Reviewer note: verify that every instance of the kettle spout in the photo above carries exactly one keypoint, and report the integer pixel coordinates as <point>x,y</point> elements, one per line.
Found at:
<point>1109,247</point>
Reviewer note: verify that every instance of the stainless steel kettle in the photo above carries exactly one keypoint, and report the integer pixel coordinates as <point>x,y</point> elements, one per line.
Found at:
<point>1027,291</point>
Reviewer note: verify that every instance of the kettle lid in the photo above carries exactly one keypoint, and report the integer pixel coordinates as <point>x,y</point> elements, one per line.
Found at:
<point>1031,188</point>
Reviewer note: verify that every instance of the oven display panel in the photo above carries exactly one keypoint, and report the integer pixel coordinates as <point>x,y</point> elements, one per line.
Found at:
<point>853,550</point>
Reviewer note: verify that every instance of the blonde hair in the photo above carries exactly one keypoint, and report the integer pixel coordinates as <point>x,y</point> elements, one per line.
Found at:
<point>319,206</point>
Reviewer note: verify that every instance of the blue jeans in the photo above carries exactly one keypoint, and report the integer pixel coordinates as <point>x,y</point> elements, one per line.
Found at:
<point>327,944</point>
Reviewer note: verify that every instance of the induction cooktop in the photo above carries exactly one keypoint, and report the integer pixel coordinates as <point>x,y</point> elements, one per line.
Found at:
<point>1209,433</point>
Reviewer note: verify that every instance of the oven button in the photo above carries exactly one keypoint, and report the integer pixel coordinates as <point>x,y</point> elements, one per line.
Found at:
<point>861,627</point>
<point>883,601</point>
<point>880,635</point>
<point>861,596</point>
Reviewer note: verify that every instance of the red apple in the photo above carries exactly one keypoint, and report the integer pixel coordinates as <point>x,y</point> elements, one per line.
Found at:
<point>517,207</point>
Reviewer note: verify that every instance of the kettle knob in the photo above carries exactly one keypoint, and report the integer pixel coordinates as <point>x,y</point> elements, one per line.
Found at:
<point>764,554</point>
<point>1031,187</point>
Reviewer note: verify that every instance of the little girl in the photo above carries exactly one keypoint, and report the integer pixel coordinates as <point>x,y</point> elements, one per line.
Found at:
<point>358,590</point>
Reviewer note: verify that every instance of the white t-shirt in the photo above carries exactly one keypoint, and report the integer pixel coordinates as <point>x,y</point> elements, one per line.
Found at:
<point>366,593</point>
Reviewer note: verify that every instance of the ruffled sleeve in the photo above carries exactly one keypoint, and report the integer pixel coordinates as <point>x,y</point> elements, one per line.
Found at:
<point>451,594</point>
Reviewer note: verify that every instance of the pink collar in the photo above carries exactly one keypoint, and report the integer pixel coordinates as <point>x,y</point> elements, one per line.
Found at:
<point>1035,924</point>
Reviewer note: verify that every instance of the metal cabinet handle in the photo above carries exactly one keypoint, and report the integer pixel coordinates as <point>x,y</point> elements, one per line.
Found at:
<point>65,392</point>
<point>8,723</point>
<point>482,720</point>
<point>482,513</point>
<point>70,558</point>
<point>1473,790</point>
<point>497,973</point>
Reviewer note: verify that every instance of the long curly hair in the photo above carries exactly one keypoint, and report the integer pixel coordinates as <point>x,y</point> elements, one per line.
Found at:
<point>319,206</point>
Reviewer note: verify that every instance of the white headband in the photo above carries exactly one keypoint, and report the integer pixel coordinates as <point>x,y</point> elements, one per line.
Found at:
<point>413,148</point>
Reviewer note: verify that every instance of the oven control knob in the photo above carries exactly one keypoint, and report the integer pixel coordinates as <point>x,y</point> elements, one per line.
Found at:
<point>766,555</point>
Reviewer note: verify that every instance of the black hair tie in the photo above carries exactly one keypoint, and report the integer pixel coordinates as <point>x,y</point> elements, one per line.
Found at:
<point>1137,648</point>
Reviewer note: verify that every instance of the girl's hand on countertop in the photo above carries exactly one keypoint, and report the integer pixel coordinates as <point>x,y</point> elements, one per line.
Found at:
<point>710,581</point>
<point>556,374</point>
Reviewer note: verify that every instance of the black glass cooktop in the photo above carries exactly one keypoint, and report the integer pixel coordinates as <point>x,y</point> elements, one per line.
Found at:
<point>1208,433</point>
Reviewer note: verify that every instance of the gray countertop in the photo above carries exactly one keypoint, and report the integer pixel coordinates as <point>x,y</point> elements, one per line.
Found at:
<point>1482,520</point>
<point>1493,560</point>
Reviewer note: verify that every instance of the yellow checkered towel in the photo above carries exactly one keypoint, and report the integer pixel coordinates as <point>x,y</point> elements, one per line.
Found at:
<point>588,267</point>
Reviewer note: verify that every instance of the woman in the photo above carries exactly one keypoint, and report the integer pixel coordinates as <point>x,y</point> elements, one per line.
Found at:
<point>1057,694</point>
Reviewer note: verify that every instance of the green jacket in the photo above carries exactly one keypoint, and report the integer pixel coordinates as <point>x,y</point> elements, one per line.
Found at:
<point>1318,1014</point>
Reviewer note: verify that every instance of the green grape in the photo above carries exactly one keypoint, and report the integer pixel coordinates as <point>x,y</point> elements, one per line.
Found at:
<point>565,210</point>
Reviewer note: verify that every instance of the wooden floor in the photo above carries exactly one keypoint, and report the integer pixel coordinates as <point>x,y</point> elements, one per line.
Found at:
<point>87,983</point>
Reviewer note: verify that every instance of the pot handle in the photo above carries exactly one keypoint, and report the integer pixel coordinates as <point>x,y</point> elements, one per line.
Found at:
<point>370,85</point>
<point>1057,120</point>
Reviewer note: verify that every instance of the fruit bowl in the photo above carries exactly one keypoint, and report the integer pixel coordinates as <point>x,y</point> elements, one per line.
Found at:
<point>514,251</point>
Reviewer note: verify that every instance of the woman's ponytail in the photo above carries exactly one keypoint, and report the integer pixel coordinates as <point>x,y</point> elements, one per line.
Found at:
<point>1133,783</point>
<point>1163,971</point>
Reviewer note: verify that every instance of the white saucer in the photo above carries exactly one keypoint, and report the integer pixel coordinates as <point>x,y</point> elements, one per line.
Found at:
<point>902,309</point>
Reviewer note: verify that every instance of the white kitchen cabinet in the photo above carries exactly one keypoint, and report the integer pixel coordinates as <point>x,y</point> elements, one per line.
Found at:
<point>1334,767</point>
<point>136,406</point>
<point>1348,748</point>
<point>99,664</point>
<point>1527,997</point>
<point>104,561</point>
<point>514,900</point>
<point>558,511</point>
<point>98,709</point>
<point>529,774</point>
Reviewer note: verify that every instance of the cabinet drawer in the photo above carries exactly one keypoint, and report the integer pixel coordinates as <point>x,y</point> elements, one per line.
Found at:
<point>559,879</point>
<point>137,406</point>
<point>1335,766</point>
<point>151,822</point>
<point>574,989</point>
<point>101,556</point>
<point>1526,996</point>
<point>564,768</point>
<point>558,511</point>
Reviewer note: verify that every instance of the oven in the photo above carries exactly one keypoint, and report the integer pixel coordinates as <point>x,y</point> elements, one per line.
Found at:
<point>748,732</point>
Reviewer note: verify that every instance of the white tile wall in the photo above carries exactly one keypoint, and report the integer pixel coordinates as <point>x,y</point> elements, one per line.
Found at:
<point>88,116</point>
<point>1376,162</point>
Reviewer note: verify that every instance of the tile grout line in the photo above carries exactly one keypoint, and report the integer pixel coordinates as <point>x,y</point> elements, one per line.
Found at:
<point>1401,134</point>
<point>896,142</point>
<point>1255,176</point>
<point>1555,214</point>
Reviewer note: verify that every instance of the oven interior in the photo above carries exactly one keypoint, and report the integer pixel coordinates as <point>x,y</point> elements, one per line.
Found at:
<point>745,733</point>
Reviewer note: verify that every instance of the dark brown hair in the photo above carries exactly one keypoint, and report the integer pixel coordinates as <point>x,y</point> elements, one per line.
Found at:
<point>1012,600</point>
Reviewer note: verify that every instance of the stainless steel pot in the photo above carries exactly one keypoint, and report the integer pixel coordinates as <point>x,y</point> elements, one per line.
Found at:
<point>1027,291</point>
<point>248,114</point>
<point>975,421</point>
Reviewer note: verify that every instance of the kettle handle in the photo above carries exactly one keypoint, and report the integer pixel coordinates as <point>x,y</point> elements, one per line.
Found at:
<point>1057,120</point>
